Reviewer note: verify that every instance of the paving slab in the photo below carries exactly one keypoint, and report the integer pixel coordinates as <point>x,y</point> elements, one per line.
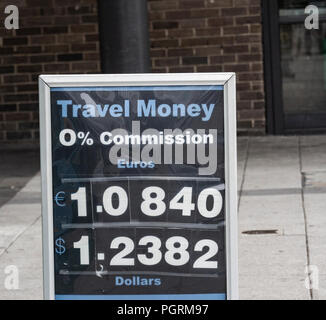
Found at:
<point>271,266</point>
<point>264,283</point>
<point>273,164</point>
<point>25,254</point>
<point>21,242</point>
<point>16,169</point>
<point>272,212</point>
<point>313,151</point>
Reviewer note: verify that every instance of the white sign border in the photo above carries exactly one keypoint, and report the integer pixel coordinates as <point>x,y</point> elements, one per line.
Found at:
<point>227,80</point>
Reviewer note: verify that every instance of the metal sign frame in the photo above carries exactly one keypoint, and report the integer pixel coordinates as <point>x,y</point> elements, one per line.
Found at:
<point>227,80</point>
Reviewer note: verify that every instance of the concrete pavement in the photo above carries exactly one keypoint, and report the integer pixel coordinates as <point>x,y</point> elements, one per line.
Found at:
<point>16,169</point>
<point>21,242</point>
<point>282,222</point>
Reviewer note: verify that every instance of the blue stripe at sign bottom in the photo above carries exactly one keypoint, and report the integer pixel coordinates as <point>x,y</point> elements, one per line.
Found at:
<point>213,296</point>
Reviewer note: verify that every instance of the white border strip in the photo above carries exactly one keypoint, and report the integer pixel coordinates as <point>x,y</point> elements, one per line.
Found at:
<point>46,182</point>
<point>230,131</point>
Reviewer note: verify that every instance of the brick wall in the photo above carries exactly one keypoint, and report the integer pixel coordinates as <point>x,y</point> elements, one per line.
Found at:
<point>61,36</point>
<point>213,36</point>
<point>55,36</point>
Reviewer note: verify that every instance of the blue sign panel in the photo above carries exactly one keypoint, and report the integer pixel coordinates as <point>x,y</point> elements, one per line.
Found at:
<point>138,183</point>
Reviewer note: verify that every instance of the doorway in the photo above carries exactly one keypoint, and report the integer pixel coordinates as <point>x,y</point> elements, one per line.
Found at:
<point>295,67</point>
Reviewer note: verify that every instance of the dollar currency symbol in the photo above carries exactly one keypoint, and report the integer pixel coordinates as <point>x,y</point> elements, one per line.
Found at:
<point>60,249</point>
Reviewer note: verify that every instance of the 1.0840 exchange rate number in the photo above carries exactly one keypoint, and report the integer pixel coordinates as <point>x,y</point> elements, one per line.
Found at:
<point>154,197</point>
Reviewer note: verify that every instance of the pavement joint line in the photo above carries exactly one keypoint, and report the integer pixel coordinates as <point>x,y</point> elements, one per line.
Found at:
<point>282,191</point>
<point>19,235</point>
<point>243,173</point>
<point>25,201</point>
<point>272,235</point>
<point>311,291</point>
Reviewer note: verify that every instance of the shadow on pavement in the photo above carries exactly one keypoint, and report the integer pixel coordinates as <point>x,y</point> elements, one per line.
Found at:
<point>17,167</point>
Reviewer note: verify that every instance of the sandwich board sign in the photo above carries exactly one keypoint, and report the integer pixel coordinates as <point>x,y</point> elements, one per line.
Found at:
<point>139,192</point>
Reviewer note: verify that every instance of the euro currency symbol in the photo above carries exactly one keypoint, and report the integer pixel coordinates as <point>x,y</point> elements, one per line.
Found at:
<point>60,199</point>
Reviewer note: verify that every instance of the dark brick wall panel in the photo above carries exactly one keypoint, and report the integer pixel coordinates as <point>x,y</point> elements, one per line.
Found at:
<point>61,36</point>
<point>213,36</point>
<point>55,36</point>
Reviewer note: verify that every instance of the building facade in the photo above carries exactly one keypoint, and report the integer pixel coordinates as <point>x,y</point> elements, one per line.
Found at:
<point>265,42</point>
